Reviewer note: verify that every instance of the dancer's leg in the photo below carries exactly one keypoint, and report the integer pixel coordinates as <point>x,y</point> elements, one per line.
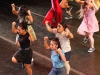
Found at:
<point>81,32</point>
<point>28,68</point>
<point>91,40</point>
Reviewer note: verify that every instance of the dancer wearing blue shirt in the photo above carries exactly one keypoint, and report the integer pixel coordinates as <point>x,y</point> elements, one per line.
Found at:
<point>57,56</point>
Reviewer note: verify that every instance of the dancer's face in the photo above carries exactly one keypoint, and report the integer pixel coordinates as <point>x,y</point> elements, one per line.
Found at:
<point>60,29</point>
<point>20,30</point>
<point>53,45</point>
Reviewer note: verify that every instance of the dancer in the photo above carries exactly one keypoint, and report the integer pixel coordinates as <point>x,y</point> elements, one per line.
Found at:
<point>24,54</point>
<point>57,56</point>
<point>64,4</point>
<point>63,34</point>
<point>24,15</point>
<point>89,24</point>
<point>54,15</point>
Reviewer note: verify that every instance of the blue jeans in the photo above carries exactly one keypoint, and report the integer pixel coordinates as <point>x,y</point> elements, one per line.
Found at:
<point>58,71</point>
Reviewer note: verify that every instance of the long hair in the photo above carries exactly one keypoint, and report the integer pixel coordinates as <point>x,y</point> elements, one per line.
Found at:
<point>23,25</point>
<point>22,11</point>
<point>64,25</point>
<point>82,11</point>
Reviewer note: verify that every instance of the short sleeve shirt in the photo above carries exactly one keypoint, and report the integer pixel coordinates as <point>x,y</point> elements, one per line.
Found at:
<point>64,41</point>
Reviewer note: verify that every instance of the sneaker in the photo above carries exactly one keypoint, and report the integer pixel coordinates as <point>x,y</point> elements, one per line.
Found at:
<point>85,39</point>
<point>23,65</point>
<point>91,49</point>
<point>69,17</point>
<point>17,36</point>
<point>69,9</point>
<point>32,61</point>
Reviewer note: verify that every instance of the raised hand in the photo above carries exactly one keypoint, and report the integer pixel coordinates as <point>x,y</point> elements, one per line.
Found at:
<point>46,38</point>
<point>59,50</point>
<point>13,23</point>
<point>29,12</point>
<point>13,5</point>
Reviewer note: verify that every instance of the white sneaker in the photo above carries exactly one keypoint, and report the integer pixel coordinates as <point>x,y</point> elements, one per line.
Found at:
<point>17,36</point>
<point>69,17</point>
<point>91,49</point>
<point>32,61</point>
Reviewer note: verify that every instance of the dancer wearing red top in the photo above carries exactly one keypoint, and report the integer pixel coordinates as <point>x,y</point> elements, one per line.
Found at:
<point>54,15</point>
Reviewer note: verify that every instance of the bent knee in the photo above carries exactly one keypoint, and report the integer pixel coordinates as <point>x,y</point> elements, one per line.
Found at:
<point>78,32</point>
<point>14,60</point>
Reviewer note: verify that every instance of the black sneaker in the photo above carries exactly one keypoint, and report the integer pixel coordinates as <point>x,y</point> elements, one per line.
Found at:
<point>85,39</point>
<point>69,17</point>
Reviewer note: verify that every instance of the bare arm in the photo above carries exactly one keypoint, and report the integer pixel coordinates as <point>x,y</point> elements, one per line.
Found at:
<point>30,18</point>
<point>14,30</point>
<point>13,9</point>
<point>95,6</point>
<point>48,27</point>
<point>31,36</point>
<point>61,55</point>
<point>68,34</point>
<point>79,1</point>
<point>46,45</point>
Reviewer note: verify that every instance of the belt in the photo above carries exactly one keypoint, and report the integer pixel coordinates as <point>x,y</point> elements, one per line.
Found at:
<point>24,48</point>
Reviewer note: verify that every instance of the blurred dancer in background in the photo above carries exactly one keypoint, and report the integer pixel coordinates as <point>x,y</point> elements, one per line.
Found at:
<point>89,24</point>
<point>64,4</point>
<point>54,15</point>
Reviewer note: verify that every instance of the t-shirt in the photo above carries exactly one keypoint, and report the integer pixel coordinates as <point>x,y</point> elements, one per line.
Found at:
<point>24,41</point>
<point>56,60</point>
<point>64,41</point>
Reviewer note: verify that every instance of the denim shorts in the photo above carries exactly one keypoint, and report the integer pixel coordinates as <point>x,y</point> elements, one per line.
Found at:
<point>67,55</point>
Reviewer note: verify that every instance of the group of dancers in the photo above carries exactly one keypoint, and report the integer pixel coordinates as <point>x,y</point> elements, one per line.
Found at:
<point>60,44</point>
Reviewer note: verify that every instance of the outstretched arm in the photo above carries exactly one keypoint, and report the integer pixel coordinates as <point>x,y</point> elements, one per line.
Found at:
<point>14,30</point>
<point>13,9</point>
